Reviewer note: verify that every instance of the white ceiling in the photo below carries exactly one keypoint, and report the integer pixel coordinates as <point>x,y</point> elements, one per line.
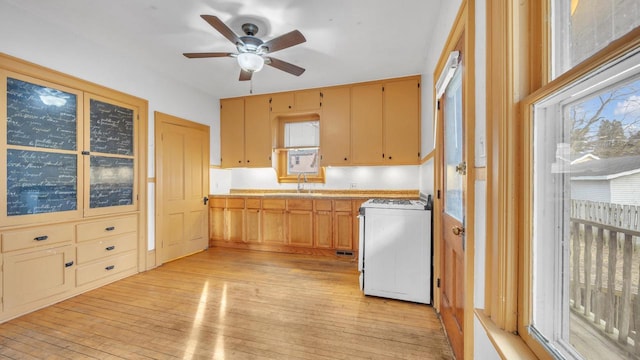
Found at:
<point>347,40</point>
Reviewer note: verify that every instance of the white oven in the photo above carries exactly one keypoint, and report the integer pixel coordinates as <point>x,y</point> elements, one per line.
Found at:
<point>394,257</point>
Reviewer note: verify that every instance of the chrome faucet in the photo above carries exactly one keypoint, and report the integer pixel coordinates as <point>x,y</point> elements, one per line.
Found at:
<point>304,177</point>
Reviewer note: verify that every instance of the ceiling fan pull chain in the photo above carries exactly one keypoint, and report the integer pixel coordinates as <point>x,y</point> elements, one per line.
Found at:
<point>251,86</point>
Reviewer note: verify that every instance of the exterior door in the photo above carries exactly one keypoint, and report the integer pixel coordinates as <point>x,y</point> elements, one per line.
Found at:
<point>182,169</point>
<point>453,210</point>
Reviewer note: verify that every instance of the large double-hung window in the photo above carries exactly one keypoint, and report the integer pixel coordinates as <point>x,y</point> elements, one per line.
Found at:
<point>585,186</point>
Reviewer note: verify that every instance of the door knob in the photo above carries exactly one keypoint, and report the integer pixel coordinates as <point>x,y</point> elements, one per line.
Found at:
<point>457,230</point>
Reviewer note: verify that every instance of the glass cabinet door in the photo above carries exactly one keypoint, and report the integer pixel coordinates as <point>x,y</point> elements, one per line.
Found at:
<point>41,163</point>
<point>110,140</point>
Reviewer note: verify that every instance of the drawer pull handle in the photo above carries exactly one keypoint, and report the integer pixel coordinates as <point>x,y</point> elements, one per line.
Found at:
<point>41,238</point>
<point>109,248</point>
<point>110,267</point>
<point>110,228</point>
<point>70,263</point>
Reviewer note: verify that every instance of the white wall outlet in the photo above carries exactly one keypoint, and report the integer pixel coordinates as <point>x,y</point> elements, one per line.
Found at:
<point>354,185</point>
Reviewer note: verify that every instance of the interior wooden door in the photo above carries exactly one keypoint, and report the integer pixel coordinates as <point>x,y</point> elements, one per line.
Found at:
<point>453,210</point>
<point>182,169</point>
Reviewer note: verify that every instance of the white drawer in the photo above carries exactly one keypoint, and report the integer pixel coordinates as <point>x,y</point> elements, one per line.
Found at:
<point>36,236</point>
<point>92,250</point>
<point>106,227</point>
<point>105,268</point>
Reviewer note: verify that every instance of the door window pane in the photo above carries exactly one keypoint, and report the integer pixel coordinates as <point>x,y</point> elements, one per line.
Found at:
<point>453,147</point>
<point>111,128</point>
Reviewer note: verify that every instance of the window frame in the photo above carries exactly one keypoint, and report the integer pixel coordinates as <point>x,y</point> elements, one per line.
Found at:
<point>613,51</point>
<point>282,152</point>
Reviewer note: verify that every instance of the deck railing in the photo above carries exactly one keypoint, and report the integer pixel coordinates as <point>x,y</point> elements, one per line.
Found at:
<point>605,269</point>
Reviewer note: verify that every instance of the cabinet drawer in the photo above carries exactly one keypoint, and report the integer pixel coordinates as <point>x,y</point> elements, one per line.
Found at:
<point>105,268</point>
<point>235,203</point>
<point>343,205</point>
<point>323,205</point>
<point>107,227</point>
<point>113,245</point>
<point>253,204</point>
<point>274,204</point>
<point>217,202</point>
<point>36,236</point>
<point>300,204</point>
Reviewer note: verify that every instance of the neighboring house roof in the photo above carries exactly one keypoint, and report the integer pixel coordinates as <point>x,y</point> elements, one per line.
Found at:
<point>605,169</point>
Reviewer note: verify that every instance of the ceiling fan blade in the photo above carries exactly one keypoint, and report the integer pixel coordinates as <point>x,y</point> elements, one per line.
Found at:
<point>245,75</point>
<point>284,41</point>
<point>207,55</point>
<point>222,28</point>
<point>284,66</point>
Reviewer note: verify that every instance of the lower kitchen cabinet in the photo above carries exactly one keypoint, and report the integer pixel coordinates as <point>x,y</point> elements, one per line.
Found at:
<point>343,225</point>
<point>300,222</point>
<point>290,224</point>
<point>37,275</point>
<point>252,221</point>
<point>323,224</point>
<point>235,216</point>
<point>216,218</point>
<point>273,221</point>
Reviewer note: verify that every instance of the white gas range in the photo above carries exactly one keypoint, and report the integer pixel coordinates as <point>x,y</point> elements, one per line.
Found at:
<point>395,249</point>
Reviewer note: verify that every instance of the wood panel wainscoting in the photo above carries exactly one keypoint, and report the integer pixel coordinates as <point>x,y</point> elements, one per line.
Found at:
<point>230,304</point>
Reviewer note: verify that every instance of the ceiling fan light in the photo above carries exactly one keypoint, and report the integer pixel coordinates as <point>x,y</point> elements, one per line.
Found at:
<point>250,62</point>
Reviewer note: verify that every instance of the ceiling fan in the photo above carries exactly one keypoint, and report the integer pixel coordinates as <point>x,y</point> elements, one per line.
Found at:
<point>252,52</point>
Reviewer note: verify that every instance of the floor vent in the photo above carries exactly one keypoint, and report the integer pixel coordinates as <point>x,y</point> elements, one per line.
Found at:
<point>344,253</point>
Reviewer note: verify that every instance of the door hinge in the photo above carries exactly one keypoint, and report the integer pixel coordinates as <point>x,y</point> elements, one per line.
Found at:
<point>438,282</point>
<point>438,104</point>
<point>138,197</point>
<point>438,194</point>
<point>418,85</point>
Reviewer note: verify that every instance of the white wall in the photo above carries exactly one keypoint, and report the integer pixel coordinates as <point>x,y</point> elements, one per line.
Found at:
<point>31,38</point>
<point>337,178</point>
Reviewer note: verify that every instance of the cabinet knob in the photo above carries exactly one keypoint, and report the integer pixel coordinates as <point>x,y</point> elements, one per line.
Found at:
<point>390,157</point>
<point>248,161</point>
<point>239,161</point>
<point>345,159</point>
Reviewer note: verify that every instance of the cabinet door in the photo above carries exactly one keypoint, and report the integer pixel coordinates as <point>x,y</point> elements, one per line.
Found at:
<point>343,230</point>
<point>402,122</point>
<point>252,226</point>
<point>307,100</point>
<point>335,126</point>
<point>109,138</point>
<point>300,228</point>
<point>258,135</point>
<point>38,275</point>
<point>236,225</point>
<point>366,124</point>
<point>216,227</point>
<point>273,226</point>
<point>41,170</point>
<point>282,102</point>
<point>232,132</point>
<point>323,224</point>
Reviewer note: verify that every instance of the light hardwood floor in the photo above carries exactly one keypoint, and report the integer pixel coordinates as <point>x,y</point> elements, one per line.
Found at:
<point>230,304</point>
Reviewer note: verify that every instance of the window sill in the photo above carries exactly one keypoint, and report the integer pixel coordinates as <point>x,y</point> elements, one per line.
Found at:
<point>508,345</point>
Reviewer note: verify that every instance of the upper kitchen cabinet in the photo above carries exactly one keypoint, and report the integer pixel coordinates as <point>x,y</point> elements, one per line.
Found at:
<point>257,134</point>
<point>335,127</point>
<point>232,132</point>
<point>385,122</point>
<point>297,101</point>
<point>366,124</point>
<point>402,122</point>
<point>245,132</point>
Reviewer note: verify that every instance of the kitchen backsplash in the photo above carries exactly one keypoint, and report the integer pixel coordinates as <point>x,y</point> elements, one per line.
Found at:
<point>337,178</point>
